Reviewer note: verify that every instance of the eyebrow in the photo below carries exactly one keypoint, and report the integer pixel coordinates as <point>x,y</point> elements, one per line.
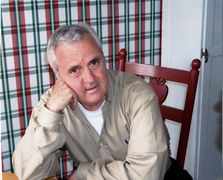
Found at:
<point>73,67</point>
<point>96,58</point>
<point>99,57</point>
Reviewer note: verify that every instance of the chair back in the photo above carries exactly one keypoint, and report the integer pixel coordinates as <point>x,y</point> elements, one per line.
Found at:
<point>158,78</point>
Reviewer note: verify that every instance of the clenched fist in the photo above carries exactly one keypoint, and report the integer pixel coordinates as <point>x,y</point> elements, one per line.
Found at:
<point>61,96</point>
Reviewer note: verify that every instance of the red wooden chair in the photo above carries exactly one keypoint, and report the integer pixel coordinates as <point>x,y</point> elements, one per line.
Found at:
<point>158,77</point>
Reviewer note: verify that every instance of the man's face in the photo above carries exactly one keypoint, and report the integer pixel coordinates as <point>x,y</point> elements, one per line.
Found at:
<point>81,65</point>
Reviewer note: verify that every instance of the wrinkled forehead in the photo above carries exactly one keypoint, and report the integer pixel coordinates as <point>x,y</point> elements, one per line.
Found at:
<point>85,49</point>
<point>84,41</point>
<point>85,38</point>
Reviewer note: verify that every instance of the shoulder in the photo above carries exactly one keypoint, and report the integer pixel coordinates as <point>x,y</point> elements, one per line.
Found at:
<point>131,87</point>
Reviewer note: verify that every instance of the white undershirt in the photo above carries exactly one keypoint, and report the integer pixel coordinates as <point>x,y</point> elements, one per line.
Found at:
<point>94,117</point>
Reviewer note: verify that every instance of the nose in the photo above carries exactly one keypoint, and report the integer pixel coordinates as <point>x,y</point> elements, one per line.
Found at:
<point>89,76</point>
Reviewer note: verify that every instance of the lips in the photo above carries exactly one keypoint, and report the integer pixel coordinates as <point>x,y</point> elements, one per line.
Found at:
<point>92,88</point>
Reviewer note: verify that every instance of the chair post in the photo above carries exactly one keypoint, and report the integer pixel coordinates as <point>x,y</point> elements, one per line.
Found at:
<point>122,58</point>
<point>189,105</point>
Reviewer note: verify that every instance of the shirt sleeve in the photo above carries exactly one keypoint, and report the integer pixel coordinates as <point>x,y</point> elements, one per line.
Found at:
<point>148,153</point>
<point>36,154</point>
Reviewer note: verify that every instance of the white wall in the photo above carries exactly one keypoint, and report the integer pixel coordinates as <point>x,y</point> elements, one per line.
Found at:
<point>181,42</point>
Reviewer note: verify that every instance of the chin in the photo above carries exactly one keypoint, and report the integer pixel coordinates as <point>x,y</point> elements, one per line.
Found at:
<point>94,102</point>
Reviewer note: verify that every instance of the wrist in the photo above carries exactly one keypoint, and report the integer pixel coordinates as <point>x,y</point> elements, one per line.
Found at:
<point>52,108</point>
<point>53,118</point>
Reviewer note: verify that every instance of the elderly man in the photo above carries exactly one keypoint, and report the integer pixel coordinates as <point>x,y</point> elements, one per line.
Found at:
<point>108,121</point>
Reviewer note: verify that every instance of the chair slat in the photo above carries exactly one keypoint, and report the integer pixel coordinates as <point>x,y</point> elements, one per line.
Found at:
<point>166,74</point>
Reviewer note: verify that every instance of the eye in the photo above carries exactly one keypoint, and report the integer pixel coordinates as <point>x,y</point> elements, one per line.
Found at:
<point>74,71</point>
<point>94,63</point>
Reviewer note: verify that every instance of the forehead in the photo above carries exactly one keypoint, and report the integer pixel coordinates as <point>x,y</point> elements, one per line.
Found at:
<point>82,50</point>
<point>86,44</point>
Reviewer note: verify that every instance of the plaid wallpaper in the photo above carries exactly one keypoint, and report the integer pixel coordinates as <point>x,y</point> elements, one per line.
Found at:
<point>25,28</point>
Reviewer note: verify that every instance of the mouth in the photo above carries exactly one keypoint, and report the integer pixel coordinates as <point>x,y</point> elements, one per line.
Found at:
<point>92,88</point>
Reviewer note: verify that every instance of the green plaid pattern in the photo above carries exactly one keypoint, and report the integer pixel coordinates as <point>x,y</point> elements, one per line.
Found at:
<point>25,28</point>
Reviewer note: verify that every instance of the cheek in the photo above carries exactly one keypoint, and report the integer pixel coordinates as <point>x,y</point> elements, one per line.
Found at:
<point>76,86</point>
<point>104,80</point>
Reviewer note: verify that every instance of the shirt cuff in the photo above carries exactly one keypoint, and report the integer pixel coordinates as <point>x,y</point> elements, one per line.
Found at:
<point>82,170</point>
<point>49,119</point>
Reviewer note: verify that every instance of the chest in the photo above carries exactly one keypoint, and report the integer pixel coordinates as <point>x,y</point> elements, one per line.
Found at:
<point>85,144</point>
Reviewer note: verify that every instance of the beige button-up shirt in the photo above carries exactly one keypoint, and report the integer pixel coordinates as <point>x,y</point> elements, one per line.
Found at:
<point>133,144</point>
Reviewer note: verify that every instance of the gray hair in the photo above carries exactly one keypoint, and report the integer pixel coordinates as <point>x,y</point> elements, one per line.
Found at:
<point>68,34</point>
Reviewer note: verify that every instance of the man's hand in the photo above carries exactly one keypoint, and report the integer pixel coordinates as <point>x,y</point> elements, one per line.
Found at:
<point>61,96</point>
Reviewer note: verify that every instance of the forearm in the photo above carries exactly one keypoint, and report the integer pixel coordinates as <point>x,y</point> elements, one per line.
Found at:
<point>36,155</point>
<point>145,166</point>
<point>29,165</point>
